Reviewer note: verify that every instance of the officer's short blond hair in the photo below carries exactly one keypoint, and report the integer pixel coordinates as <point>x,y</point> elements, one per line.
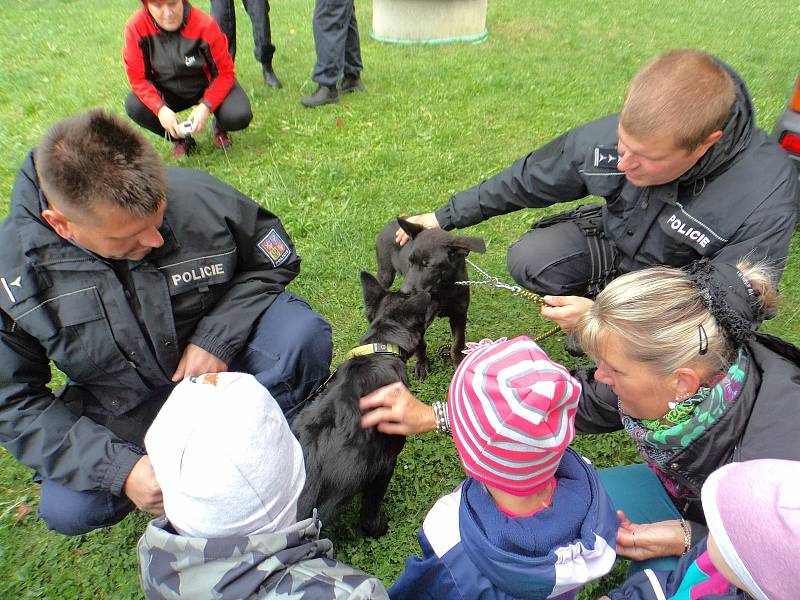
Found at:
<point>683,93</point>
<point>96,158</point>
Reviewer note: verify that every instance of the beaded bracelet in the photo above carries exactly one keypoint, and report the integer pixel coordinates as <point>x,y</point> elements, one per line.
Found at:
<point>687,536</point>
<point>441,416</point>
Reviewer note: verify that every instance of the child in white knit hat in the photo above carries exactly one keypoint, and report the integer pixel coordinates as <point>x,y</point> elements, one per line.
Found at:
<point>231,471</point>
<point>532,519</point>
<point>752,510</point>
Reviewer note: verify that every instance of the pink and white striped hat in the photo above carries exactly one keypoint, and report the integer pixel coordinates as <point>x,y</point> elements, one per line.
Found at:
<point>512,412</point>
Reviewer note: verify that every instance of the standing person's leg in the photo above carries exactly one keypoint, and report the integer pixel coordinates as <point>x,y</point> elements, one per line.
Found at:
<point>352,59</point>
<point>289,350</point>
<point>224,13</point>
<point>331,25</point>
<point>263,48</point>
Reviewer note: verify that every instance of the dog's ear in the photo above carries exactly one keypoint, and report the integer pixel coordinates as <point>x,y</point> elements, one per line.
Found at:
<point>412,229</point>
<point>420,303</point>
<point>473,244</point>
<point>431,309</point>
<point>373,293</point>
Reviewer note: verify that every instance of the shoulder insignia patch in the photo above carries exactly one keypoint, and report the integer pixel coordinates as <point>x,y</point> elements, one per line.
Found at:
<point>274,248</point>
<point>606,157</point>
<point>7,285</point>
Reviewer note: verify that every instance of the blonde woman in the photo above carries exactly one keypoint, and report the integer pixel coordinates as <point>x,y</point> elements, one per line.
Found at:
<point>679,367</point>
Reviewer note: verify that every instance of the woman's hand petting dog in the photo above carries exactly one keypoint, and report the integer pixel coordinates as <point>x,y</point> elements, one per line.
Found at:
<point>566,311</point>
<point>427,220</point>
<point>394,410</point>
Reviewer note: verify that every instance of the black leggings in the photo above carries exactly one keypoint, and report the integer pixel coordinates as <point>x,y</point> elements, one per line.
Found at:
<point>232,115</point>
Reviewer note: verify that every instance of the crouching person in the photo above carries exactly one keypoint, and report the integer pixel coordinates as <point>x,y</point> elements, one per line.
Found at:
<point>231,471</point>
<point>177,58</point>
<point>532,519</point>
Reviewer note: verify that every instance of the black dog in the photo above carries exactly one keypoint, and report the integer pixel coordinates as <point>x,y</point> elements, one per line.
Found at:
<point>432,261</point>
<point>342,459</point>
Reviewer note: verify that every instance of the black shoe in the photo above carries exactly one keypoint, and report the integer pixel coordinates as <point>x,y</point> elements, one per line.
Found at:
<point>351,83</point>
<point>323,95</point>
<point>270,78</point>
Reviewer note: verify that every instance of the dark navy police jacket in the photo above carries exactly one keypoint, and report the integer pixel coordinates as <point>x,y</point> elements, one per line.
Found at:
<point>118,329</point>
<point>740,199</point>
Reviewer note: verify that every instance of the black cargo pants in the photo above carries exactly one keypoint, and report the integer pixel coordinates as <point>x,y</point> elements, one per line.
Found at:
<point>565,255</point>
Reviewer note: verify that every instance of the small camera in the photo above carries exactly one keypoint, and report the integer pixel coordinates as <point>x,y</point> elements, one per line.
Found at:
<point>186,127</point>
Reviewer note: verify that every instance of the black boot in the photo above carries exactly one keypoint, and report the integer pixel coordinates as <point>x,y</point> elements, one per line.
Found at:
<point>351,82</point>
<point>270,78</point>
<point>323,95</point>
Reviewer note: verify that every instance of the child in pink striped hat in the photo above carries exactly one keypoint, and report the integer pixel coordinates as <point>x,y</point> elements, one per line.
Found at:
<point>532,519</point>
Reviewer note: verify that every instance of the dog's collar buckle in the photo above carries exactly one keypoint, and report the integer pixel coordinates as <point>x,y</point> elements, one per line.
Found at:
<point>375,348</point>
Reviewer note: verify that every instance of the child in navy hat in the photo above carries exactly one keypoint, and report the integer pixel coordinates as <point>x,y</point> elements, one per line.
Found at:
<point>532,519</point>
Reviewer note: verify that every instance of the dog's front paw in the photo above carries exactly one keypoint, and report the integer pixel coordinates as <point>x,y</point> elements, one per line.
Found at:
<point>377,526</point>
<point>421,369</point>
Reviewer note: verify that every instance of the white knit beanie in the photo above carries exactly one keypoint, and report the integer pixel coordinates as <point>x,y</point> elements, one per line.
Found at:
<point>225,458</point>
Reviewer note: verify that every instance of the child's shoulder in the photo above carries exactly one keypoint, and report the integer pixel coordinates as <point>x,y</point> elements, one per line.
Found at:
<point>440,526</point>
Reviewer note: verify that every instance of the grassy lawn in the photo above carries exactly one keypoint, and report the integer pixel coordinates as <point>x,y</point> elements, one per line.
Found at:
<point>434,121</point>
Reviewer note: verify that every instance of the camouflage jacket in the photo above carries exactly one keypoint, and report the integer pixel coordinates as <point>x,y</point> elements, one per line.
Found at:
<point>292,564</point>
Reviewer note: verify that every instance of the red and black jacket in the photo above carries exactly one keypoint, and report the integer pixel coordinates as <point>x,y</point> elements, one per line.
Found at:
<point>191,62</point>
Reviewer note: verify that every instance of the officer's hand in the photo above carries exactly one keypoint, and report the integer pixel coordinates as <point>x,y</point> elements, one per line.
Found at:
<point>143,489</point>
<point>196,361</point>
<point>169,121</point>
<point>566,311</point>
<point>427,220</point>
<point>394,410</point>
<point>199,117</point>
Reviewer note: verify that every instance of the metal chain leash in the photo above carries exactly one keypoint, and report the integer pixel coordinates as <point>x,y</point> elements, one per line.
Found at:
<point>492,281</point>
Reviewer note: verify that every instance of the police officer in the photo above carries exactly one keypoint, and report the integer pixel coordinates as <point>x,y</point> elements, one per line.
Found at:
<point>131,277</point>
<point>683,169</point>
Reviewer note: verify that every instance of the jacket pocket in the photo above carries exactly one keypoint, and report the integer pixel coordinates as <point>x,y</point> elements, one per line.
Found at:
<point>77,336</point>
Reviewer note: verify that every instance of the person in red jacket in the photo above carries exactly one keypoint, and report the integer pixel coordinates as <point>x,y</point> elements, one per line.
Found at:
<point>176,58</point>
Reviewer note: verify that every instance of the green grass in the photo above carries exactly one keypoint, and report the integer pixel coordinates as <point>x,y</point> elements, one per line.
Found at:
<point>434,121</point>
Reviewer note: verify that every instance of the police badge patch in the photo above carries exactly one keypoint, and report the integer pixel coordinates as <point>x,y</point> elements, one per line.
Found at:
<point>275,249</point>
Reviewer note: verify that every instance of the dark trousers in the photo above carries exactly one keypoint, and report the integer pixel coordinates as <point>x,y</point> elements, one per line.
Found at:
<point>224,14</point>
<point>289,352</point>
<point>336,41</point>
<point>556,260</point>
<point>232,115</point>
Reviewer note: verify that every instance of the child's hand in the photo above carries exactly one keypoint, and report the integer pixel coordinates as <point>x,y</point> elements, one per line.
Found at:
<point>649,540</point>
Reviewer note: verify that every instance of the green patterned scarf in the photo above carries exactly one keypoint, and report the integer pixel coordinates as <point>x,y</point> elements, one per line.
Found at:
<point>658,439</point>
